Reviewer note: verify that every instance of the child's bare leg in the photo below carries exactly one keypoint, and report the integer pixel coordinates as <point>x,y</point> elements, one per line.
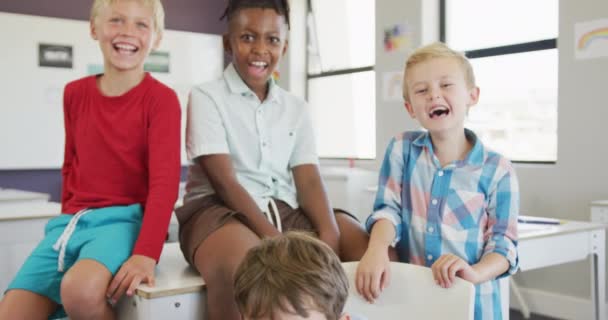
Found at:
<point>217,259</point>
<point>83,291</point>
<point>354,239</point>
<point>23,304</point>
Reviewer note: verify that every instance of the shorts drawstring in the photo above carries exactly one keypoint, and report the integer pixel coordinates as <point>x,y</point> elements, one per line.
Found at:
<point>62,242</point>
<point>277,217</point>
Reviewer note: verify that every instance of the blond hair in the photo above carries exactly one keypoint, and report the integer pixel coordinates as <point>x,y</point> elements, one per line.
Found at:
<point>156,5</point>
<point>294,273</point>
<point>433,51</point>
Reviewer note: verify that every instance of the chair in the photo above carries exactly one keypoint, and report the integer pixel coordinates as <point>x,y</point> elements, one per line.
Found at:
<point>412,294</point>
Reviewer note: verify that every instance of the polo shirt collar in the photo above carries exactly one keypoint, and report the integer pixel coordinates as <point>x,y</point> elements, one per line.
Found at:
<point>238,86</point>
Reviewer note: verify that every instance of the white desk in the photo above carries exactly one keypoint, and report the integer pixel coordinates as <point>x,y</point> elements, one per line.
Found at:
<point>599,211</point>
<point>548,245</point>
<point>350,189</point>
<point>21,228</point>
<point>179,292</point>
<point>10,196</point>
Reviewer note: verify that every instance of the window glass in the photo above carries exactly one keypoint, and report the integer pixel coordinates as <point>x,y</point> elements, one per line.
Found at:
<point>517,110</point>
<point>476,24</point>
<point>341,82</point>
<point>516,66</point>
<point>341,35</point>
<point>344,115</point>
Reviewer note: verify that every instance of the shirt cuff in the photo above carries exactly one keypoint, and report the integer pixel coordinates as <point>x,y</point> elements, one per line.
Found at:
<point>379,215</point>
<point>203,150</point>
<point>304,160</point>
<point>506,248</point>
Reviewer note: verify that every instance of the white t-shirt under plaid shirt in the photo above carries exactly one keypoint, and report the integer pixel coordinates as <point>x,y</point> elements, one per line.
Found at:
<point>468,208</point>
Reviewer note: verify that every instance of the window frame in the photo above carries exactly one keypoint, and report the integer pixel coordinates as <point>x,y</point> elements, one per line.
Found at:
<point>521,47</point>
<point>322,74</point>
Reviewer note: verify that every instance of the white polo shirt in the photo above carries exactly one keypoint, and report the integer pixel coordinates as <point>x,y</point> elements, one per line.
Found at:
<point>265,140</point>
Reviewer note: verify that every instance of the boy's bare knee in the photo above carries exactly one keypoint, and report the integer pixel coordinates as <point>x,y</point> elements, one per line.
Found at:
<point>83,299</point>
<point>22,304</point>
<point>220,254</point>
<point>3,310</point>
<point>353,238</point>
<point>84,305</point>
<point>220,273</point>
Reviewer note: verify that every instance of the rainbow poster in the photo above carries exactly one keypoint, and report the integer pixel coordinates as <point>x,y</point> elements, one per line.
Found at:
<point>591,39</point>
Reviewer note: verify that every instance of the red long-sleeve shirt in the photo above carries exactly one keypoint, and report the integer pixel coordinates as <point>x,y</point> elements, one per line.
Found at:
<point>123,150</point>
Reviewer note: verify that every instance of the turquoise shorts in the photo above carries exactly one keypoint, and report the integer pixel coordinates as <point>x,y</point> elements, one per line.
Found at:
<point>106,235</point>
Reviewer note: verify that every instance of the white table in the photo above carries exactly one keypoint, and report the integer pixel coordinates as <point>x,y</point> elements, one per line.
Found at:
<point>178,294</point>
<point>599,211</point>
<point>548,245</point>
<point>21,228</point>
<point>10,196</point>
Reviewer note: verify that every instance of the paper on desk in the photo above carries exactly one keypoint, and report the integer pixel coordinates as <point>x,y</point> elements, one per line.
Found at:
<point>523,227</point>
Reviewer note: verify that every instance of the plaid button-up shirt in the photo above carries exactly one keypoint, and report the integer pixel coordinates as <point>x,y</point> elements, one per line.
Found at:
<point>468,208</point>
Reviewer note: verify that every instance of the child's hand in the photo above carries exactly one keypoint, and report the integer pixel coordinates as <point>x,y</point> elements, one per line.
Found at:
<point>137,269</point>
<point>448,266</point>
<point>373,273</point>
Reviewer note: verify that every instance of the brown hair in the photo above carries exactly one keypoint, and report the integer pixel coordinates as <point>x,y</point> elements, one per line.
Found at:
<point>294,273</point>
<point>156,5</point>
<point>433,51</point>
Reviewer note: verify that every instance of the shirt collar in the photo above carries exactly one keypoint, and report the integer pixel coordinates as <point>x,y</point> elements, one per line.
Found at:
<point>475,157</point>
<point>238,86</point>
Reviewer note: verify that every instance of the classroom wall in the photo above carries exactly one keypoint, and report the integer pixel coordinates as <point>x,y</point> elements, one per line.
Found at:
<point>185,15</point>
<point>562,190</point>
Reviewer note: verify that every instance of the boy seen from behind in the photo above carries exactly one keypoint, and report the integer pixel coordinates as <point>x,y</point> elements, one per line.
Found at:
<point>291,276</point>
<point>444,200</point>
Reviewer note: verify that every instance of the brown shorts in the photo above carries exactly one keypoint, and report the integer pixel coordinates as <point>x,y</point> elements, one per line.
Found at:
<point>199,218</point>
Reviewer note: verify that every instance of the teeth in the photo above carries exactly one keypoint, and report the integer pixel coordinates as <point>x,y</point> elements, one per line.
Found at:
<point>125,47</point>
<point>438,108</point>
<point>260,64</point>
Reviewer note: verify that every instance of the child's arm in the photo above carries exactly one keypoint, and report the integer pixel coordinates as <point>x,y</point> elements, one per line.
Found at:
<point>373,272</point>
<point>448,266</point>
<point>163,166</point>
<point>388,202</point>
<point>499,257</point>
<point>384,223</point>
<point>311,195</point>
<point>219,170</point>
<point>68,154</point>
<point>503,209</point>
<point>313,200</point>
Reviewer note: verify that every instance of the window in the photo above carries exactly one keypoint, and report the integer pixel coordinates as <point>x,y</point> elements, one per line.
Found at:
<point>515,61</point>
<point>341,78</point>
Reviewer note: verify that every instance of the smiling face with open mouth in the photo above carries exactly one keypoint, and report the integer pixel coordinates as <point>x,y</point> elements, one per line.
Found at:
<point>126,34</point>
<point>256,40</point>
<point>439,97</point>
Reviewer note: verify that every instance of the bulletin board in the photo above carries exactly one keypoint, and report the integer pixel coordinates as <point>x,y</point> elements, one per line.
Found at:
<point>41,55</point>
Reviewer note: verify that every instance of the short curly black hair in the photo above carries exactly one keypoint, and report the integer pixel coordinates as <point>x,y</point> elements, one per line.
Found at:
<point>280,6</point>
